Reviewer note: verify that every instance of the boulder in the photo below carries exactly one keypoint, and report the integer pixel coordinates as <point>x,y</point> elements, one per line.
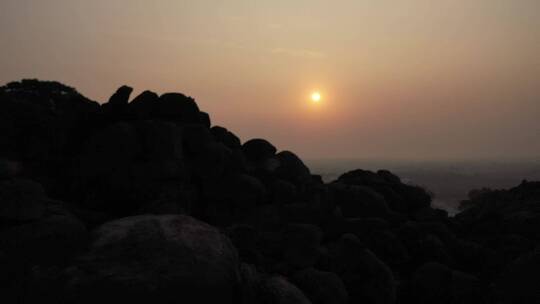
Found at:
<point>301,244</point>
<point>52,239</point>
<point>9,168</point>
<point>160,140</point>
<point>358,201</point>
<point>278,290</point>
<point>178,107</point>
<point>121,96</point>
<point>157,259</point>
<point>283,192</point>
<point>196,137</point>
<point>436,283</point>
<point>226,137</point>
<point>204,119</point>
<point>257,150</point>
<point>112,148</point>
<point>211,162</point>
<point>399,196</point>
<point>117,106</point>
<point>42,120</point>
<point>368,280</point>
<point>21,200</point>
<point>520,282</point>
<point>143,106</point>
<point>292,169</point>
<point>321,287</point>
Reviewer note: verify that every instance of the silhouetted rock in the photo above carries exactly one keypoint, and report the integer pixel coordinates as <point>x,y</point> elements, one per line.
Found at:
<point>160,140</point>
<point>226,137</point>
<point>117,107</point>
<point>368,280</point>
<point>196,138</point>
<point>177,107</point>
<point>504,211</point>
<point>301,245</point>
<point>52,238</point>
<point>68,164</point>
<point>279,290</point>
<point>520,282</point>
<point>143,106</point>
<point>359,201</point>
<point>21,200</point>
<point>211,162</point>
<point>9,168</point>
<point>292,169</point>
<point>204,119</point>
<point>321,287</point>
<point>284,192</point>
<point>400,197</point>
<point>158,259</point>
<point>258,150</point>
<point>436,283</point>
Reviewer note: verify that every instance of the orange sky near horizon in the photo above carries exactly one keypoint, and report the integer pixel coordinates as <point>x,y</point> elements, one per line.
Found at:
<point>415,79</point>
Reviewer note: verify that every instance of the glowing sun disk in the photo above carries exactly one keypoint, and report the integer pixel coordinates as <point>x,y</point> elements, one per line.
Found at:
<point>316,97</point>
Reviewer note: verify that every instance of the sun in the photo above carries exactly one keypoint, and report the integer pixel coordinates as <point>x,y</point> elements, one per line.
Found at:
<point>316,97</point>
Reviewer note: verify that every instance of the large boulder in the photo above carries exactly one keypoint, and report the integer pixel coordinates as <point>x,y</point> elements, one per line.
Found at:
<point>143,106</point>
<point>117,106</point>
<point>399,196</point>
<point>177,107</point>
<point>258,150</point>
<point>321,287</point>
<point>520,282</point>
<point>512,211</point>
<point>292,169</point>
<point>258,288</point>
<point>301,245</point>
<point>21,200</point>
<point>157,259</point>
<point>226,137</point>
<point>204,119</point>
<point>211,162</point>
<point>358,201</point>
<point>9,168</point>
<point>110,149</point>
<point>160,140</point>
<point>436,283</point>
<point>278,290</point>
<point>368,280</point>
<point>121,96</point>
<point>42,120</point>
<point>53,238</point>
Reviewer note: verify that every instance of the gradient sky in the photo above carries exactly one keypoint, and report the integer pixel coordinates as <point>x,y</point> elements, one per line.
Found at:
<point>418,79</point>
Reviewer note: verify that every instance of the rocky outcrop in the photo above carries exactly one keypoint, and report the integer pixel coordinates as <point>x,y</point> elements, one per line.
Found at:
<point>144,201</point>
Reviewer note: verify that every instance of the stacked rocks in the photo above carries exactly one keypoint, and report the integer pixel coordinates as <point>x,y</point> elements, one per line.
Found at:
<point>144,200</point>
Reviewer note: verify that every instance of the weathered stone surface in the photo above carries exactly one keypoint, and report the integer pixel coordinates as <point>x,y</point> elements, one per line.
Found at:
<point>156,259</point>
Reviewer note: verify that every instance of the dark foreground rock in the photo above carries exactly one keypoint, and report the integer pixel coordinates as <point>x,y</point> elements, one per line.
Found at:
<point>144,201</point>
<point>158,259</point>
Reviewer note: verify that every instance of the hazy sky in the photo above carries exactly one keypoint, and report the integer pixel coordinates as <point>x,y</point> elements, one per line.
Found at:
<point>418,79</point>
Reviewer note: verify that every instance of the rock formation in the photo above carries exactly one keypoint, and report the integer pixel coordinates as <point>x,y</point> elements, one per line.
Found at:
<point>144,201</point>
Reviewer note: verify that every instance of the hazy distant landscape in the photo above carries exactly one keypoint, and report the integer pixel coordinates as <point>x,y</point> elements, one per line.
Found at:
<point>449,181</point>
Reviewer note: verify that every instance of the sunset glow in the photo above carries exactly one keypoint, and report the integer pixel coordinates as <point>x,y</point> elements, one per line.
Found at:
<point>316,97</point>
<point>415,80</point>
